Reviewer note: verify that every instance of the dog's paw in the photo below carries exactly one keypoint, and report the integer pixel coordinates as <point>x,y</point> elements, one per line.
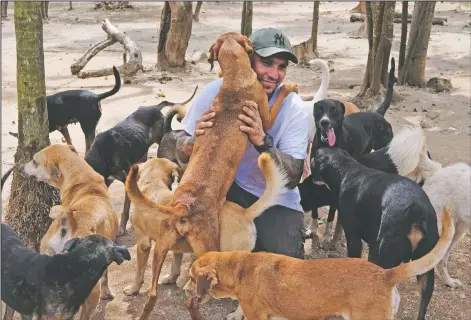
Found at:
<point>131,290</point>
<point>170,279</point>
<point>454,283</point>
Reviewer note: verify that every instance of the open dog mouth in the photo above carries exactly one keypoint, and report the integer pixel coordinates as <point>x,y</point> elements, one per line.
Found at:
<point>328,135</point>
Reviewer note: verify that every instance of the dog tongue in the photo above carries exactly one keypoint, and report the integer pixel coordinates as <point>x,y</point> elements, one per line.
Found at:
<point>331,137</point>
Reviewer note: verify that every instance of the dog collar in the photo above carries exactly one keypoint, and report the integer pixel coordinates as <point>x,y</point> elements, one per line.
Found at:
<point>324,139</point>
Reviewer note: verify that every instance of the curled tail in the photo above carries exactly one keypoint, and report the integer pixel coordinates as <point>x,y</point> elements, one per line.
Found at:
<point>321,94</point>
<point>389,93</point>
<point>139,199</point>
<point>117,86</point>
<point>180,111</point>
<point>166,103</point>
<point>275,180</point>
<point>7,174</point>
<point>430,260</point>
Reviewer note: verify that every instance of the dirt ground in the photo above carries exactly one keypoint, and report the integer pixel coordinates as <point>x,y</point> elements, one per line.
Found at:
<point>447,115</point>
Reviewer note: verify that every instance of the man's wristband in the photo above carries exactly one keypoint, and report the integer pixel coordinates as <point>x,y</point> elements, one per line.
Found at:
<point>267,144</point>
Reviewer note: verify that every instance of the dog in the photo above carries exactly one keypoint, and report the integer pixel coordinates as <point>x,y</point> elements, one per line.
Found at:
<point>273,285</point>
<point>85,208</point>
<point>152,183</point>
<point>115,150</point>
<point>34,284</point>
<point>370,210</point>
<point>321,94</point>
<point>445,186</point>
<point>357,133</point>
<point>82,106</point>
<point>195,206</point>
<point>401,156</point>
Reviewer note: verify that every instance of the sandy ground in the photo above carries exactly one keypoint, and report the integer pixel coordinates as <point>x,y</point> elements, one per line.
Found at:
<point>70,33</point>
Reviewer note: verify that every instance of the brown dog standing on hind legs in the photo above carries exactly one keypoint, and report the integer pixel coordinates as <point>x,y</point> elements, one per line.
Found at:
<point>197,201</point>
<point>269,285</point>
<point>86,207</point>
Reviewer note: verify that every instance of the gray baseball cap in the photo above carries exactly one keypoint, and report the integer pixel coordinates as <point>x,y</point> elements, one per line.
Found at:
<point>269,41</point>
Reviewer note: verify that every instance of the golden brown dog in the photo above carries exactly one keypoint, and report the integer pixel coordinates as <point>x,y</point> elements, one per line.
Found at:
<point>269,285</point>
<point>151,183</point>
<point>86,207</point>
<point>193,211</point>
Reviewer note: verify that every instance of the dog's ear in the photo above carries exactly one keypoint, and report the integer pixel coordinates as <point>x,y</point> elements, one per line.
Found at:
<point>343,107</point>
<point>119,254</point>
<point>54,171</point>
<point>57,211</point>
<point>72,243</point>
<point>72,148</point>
<point>205,280</point>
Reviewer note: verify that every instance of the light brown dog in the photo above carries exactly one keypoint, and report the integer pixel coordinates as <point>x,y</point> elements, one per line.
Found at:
<point>193,211</point>
<point>151,183</point>
<point>269,285</point>
<point>86,207</point>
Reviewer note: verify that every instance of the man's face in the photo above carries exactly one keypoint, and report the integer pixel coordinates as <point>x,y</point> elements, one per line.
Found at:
<point>271,71</point>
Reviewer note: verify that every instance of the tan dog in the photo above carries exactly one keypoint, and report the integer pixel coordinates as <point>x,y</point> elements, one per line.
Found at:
<point>194,209</point>
<point>86,207</point>
<point>269,285</point>
<point>151,182</point>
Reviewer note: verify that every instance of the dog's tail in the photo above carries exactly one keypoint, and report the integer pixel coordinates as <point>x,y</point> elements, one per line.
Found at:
<point>117,86</point>
<point>138,198</point>
<point>166,103</point>
<point>430,260</point>
<point>7,174</point>
<point>409,153</point>
<point>179,111</point>
<point>389,93</point>
<point>275,180</point>
<point>321,94</point>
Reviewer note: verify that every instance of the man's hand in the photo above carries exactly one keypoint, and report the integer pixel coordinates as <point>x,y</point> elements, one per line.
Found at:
<point>253,122</point>
<point>206,121</point>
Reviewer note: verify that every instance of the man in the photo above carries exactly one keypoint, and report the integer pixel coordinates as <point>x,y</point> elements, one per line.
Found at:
<point>280,228</point>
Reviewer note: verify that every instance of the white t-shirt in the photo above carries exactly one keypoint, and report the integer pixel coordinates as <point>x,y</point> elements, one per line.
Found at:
<point>289,132</point>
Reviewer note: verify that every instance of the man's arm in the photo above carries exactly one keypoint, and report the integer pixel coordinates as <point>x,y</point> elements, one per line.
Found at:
<point>293,167</point>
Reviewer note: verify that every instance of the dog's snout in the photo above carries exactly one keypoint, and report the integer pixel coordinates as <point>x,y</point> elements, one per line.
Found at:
<point>325,122</point>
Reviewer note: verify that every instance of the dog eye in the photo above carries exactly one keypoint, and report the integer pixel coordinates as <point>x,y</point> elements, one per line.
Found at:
<point>63,232</point>
<point>34,162</point>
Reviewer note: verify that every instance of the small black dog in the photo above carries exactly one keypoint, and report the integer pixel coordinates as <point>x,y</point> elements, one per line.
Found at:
<point>358,132</point>
<point>39,285</point>
<point>82,106</point>
<point>389,212</point>
<point>115,150</point>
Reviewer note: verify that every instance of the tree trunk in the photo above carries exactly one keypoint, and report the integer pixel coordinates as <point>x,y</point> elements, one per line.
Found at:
<point>30,201</point>
<point>315,26</point>
<point>413,69</point>
<point>70,5</point>
<point>402,47</point>
<point>380,16</point>
<point>4,9</point>
<point>196,15</point>
<point>175,32</point>
<point>247,17</point>
<point>45,10</point>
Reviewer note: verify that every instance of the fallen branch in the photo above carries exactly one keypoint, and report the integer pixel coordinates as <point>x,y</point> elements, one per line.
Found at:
<point>128,69</point>
<point>355,17</point>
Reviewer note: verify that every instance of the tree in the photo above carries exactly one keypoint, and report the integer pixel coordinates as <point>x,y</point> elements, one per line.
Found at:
<point>175,31</point>
<point>30,201</point>
<point>402,47</point>
<point>45,10</point>
<point>4,10</point>
<point>70,5</point>
<point>247,17</point>
<point>413,69</point>
<point>315,26</point>
<point>380,18</point>
<point>196,15</point>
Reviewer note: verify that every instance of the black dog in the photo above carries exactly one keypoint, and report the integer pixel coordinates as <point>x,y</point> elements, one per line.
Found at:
<point>358,132</point>
<point>35,284</point>
<point>115,150</point>
<point>82,106</point>
<point>389,212</point>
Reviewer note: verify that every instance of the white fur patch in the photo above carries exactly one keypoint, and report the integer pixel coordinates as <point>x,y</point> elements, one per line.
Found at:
<point>33,171</point>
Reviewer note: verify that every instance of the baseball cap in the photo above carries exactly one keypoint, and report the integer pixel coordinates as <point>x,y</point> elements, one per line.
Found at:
<point>269,41</point>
